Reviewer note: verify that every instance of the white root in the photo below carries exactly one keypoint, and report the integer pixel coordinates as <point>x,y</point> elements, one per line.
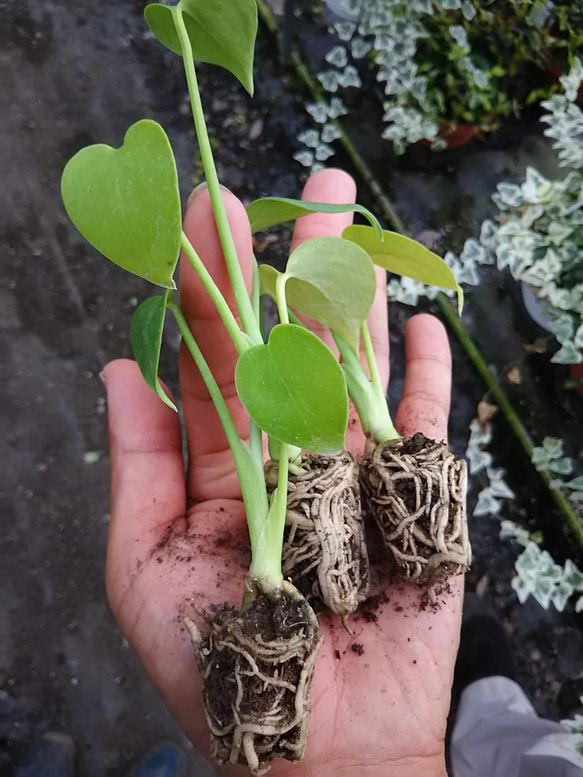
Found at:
<point>324,551</point>
<point>268,714</point>
<point>419,502</point>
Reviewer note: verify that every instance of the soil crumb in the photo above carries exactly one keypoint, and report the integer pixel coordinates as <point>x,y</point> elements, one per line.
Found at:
<point>165,538</point>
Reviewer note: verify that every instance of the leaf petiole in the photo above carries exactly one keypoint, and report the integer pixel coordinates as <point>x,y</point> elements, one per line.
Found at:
<point>280,298</point>
<point>373,369</point>
<point>238,337</point>
<point>249,470</point>
<point>368,395</point>
<point>265,566</point>
<point>250,325</point>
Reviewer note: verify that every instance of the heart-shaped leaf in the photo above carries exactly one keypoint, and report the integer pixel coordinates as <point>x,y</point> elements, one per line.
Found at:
<point>126,202</point>
<point>146,336</point>
<point>331,280</point>
<point>294,389</point>
<point>268,211</point>
<point>221,32</point>
<point>404,256</point>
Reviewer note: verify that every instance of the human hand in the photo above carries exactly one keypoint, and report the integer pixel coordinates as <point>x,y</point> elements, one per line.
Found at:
<point>174,545</point>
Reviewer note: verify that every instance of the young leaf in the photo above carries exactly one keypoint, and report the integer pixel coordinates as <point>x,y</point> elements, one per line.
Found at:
<point>404,256</point>
<point>294,389</point>
<point>221,32</point>
<point>268,211</point>
<point>331,280</point>
<point>146,336</point>
<point>126,202</point>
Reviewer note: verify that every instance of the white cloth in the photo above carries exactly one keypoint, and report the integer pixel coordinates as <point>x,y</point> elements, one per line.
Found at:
<point>497,733</point>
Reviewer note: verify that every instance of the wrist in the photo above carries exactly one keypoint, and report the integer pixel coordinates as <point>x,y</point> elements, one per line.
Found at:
<point>410,767</point>
<point>422,766</point>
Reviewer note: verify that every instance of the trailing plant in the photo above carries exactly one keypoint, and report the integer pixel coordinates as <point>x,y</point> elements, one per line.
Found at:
<point>490,499</point>
<point>538,233</point>
<point>439,65</point>
<point>539,576</point>
<point>257,662</point>
<point>549,458</point>
<point>563,24</point>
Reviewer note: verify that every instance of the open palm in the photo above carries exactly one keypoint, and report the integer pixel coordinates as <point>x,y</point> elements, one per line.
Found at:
<point>381,694</point>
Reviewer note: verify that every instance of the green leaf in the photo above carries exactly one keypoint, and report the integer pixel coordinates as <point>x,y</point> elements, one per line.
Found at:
<point>331,280</point>
<point>146,336</point>
<point>126,202</point>
<point>269,211</point>
<point>404,256</point>
<point>294,389</point>
<point>221,32</point>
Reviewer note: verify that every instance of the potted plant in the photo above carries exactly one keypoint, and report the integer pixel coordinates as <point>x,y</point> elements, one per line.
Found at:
<point>538,233</point>
<point>563,37</point>
<point>448,70</point>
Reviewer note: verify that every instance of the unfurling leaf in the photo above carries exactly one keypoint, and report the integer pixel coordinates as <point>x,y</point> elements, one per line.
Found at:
<point>126,202</point>
<point>268,211</point>
<point>404,256</point>
<point>146,336</point>
<point>294,389</point>
<point>331,280</point>
<point>221,32</point>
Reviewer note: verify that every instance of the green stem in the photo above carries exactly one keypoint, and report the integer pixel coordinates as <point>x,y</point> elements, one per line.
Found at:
<point>384,427</point>
<point>237,336</point>
<point>256,442</point>
<point>368,397</point>
<point>244,305</point>
<point>280,298</point>
<point>256,295</point>
<point>371,360</point>
<point>388,212</point>
<point>250,474</point>
<point>266,552</point>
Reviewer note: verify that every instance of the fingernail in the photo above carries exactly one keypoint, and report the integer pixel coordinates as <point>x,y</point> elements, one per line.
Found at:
<point>196,191</point>
<point>102,378</point>
<point>202,187</point>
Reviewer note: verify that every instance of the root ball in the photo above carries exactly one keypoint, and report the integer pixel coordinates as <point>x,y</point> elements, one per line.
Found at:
<point>324,551</point>
<point>416,490</point>
<point>257,668</point>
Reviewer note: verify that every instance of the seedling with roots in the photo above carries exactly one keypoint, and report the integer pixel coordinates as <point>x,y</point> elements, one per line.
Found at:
<point>257,663</point>
<point>415,488</point>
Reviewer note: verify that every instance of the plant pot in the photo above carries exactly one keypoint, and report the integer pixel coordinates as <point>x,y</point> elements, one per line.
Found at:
<point>338,9</point>
<point>576,371</point>
<point>456,136</point>
<point>535,307</point>
<point>554,72</point>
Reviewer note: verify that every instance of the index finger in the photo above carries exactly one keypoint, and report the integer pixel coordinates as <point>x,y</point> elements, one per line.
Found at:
<point>211,472</point>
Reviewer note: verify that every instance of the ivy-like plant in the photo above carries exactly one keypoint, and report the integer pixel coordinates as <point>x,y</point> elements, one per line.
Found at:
<point>537,234</point>
<point>439,65</point>
<point>126,203</point>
